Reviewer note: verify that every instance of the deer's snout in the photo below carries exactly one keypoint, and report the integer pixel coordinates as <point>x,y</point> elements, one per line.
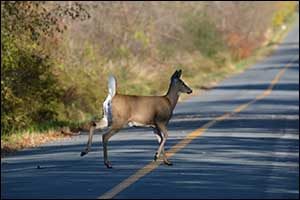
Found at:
<point>190,91</point>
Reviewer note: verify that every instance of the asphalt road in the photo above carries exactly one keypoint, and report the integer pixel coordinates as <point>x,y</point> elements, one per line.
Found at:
<point>251,154</point>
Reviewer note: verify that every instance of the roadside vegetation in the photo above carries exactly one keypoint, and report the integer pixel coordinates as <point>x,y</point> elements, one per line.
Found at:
<point>56,56</point>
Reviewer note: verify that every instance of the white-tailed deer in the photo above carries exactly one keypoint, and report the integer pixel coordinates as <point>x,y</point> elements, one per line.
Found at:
<point>150,111</point>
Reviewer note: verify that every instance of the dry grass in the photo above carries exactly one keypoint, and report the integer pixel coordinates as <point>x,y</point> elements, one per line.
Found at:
<point>15,142</point>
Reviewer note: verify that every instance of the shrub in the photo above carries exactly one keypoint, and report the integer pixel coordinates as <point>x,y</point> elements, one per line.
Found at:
<point>283,12</point>
<point>204,35</point>
<point>30,93</point>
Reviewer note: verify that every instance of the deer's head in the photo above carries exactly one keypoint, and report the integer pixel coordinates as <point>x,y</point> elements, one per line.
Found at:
<point>178,84</point>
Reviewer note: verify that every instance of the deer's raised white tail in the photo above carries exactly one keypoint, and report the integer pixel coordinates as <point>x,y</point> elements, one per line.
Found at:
<point>107,113</point>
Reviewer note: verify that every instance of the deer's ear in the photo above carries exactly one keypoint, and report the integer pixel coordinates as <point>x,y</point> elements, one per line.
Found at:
<point>175,75</point>
<point>179,73</point>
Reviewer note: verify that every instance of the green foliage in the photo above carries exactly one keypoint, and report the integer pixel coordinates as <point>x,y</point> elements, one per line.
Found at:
<point>283,13</point>
<point>30,93</point>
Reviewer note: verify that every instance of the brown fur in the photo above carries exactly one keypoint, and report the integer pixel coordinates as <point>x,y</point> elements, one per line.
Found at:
<point>142,109</point>
<point>154,111</point>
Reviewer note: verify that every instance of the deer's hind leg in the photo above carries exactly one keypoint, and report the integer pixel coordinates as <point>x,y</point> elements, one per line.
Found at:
<point>105,137</point>
<point>92,127</point>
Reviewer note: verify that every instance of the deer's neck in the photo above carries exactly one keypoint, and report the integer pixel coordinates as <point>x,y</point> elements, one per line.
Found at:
<point>173,96</point>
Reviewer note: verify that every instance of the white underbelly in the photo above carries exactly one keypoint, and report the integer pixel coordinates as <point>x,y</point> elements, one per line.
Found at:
<point>132,124</point>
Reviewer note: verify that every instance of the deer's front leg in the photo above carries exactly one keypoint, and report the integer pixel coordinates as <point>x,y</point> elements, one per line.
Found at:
<point>159,136</point>
<point>163,135</point>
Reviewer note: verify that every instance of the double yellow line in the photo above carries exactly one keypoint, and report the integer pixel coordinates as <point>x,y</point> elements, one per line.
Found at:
<point>191,136</point>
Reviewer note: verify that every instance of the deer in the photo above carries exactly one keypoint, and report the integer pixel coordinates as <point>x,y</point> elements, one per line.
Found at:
<point>120,111</point>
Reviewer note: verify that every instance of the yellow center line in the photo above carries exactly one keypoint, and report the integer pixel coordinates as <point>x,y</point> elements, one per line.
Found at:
<point>191,136</point>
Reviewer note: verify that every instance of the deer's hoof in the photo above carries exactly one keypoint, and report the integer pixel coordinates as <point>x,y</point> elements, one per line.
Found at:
<point>108,165</point>
<point>167,162</point>
<point>155,157</point>
<point>83,153</point>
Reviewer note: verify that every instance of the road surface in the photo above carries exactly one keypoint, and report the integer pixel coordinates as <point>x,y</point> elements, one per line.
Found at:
<point>252,152</point>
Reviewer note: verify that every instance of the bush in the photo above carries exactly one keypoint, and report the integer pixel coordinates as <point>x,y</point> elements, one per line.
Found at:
<point>283,13</point>
<point>29,91</point>
<point>204,35</point>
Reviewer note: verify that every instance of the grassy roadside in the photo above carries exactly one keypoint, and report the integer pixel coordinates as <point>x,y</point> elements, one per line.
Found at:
<point>52,132</point>
<point>37,136</point>
<point>238,67</point>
